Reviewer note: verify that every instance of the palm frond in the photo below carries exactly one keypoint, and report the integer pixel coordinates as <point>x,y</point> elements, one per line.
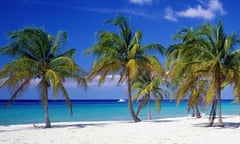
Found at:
<point>58,41</point>
<point>66,96</point>
<point>19,90</point>
<point>53,77</point>
<point>132,67</point>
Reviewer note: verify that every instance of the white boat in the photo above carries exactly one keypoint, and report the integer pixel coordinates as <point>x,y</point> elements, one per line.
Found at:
<point>121,100</point>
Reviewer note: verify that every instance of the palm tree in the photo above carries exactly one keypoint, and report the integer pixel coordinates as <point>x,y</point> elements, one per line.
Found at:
<point>38,58</point>
<point>213,55</point>
<point>148,85</point>
<point>189,83</point>
<point>219,58</point>
<point>184,70</point>
<point>196,94</point>
<point>122,53</point>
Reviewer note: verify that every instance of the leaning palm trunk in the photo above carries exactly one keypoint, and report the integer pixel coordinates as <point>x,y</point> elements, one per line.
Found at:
<point>140,106</point>
<point>212,114</point>
<point>139,109</point>
<point>130,104</point>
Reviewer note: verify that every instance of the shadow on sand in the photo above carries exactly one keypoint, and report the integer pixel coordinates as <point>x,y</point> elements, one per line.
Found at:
<point>231,125</point>
<point>58,125</point>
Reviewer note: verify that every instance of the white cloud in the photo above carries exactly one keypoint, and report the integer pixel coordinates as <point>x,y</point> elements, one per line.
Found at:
<point>207,11</point>
<point>197,12</point>
<point>215,5</point>
<point>70,83</point>
<point>134,12</point>
<point>35,82</point>
<point>141,2</point>
<point>109,82</point>
<point>169,14</point>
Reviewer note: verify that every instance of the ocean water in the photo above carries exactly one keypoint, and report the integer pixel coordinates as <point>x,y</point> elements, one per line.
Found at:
<point>28,112</point>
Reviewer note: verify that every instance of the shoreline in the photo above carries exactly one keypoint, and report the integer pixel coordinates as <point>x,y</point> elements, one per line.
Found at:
<point>179,130</point>
<point>33,112</point>
<point>41,124</point>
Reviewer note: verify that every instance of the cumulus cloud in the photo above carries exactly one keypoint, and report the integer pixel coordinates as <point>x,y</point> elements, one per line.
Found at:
<point>141,2</point>
<point>207,11</point>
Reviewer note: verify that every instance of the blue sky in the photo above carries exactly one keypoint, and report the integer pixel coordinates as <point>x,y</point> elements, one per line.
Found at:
<point>159,20</point>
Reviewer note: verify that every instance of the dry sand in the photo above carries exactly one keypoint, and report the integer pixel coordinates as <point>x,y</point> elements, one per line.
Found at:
<point>183,130</point>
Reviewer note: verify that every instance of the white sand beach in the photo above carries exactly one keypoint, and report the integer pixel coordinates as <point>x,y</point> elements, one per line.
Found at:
<point>183,130</point>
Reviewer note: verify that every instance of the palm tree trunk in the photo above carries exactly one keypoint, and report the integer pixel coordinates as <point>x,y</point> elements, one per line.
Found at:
<point>138,110</point>
<point>149,108</point>
<point>140,106</point>
<point>219,111</point>
<point>212,114</point>
<point>220,121</point>
<point>198,115</point>
<point>193,111</point>
<point>130,105</point>
<point>47,120</point>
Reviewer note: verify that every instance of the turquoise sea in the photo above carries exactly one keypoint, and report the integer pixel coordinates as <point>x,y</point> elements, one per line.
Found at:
<point>31,111</point>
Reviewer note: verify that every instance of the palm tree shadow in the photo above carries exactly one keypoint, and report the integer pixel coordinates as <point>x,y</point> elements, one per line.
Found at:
<point>231,125</point>
<point>161,121</point>
<point>40,126</point>
<point>61,125</point>
<point>75,125</point>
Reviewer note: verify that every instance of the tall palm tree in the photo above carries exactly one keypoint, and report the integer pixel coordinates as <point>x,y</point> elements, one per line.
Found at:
<point>219,57</point>
<point>122,53</point>
<point>213,55</point>
<point>147,85</point>
<point>38,57</point>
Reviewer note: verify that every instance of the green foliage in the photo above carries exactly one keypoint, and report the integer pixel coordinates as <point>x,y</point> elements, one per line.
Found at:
<point>148,85</point>
<point>122,53</point>
<point>205,54</point>
<point>38,57</point>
